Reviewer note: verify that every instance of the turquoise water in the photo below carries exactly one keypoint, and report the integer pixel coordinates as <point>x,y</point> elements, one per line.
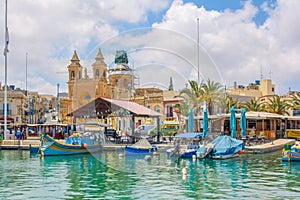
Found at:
<point>111,176</point>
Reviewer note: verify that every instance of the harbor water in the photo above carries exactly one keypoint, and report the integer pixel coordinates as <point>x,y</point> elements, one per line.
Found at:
<point>112,175</point>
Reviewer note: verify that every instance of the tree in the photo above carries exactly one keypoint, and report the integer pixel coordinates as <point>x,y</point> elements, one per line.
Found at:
<point>277,105</point>
<point>183,108</point>
<point>253,105</point>
<point>211,92</point>
<point>192,96</point>
<point>226,102</point>
<point>296,101</point>
<point>171,85</point>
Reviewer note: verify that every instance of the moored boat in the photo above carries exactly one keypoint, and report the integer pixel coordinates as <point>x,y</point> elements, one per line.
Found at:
<point>223,147</point>
<point>186,145</point>
<point>91,140</point>
<point>140,147</point>
<point>291,153</point>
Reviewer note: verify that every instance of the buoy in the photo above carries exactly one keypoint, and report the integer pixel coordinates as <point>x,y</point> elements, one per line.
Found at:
<point>84,145</point>
<point>147,158</point>
<point>184,172</point>
<point>240,152</point>
<point>194,157</point>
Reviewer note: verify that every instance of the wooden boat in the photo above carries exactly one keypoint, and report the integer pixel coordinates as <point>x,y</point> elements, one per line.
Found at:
<point>34,149</point>
<point>78,143</point>
<point>73,145</point>
<point>140,147</point>
<point>291,153</point>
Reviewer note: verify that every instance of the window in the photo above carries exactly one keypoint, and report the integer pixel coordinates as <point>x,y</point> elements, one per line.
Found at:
<point>251,123</point>
<point>72,74</point>
<point>97,73</point>
<point>8,109</point>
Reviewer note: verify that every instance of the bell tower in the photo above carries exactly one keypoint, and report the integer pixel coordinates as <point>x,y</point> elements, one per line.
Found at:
<point>75,74</point>
<point>99,68</point>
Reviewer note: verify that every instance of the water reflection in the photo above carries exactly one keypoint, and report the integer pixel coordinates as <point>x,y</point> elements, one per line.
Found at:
<point>108,176</point>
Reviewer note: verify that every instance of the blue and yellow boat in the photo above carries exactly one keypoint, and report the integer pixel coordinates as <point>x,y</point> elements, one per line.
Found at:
<point>70,146</point>
<point>291,153</point>
<point>90,140</point>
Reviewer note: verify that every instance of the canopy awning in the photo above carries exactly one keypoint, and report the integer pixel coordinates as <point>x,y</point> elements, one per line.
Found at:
<point>104,106</point>
<point>188,135</point>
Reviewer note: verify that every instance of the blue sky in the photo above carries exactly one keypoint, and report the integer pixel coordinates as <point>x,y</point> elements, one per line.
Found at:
<point>248,38</point>
<point>221,5</point>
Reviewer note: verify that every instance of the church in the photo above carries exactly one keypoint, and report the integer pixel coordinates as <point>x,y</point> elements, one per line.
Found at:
<point>116,82</point>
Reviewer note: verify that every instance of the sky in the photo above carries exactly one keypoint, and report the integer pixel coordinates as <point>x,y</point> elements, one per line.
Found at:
<point>239,40</point>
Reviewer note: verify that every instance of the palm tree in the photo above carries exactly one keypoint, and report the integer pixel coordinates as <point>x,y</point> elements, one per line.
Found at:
<point>211,92</point>
<point>183,108</point>
<point>225,103</point>
<point>253,105</point>
<point>296,101</point>
<point>192,96</point>
<point>277,105</point>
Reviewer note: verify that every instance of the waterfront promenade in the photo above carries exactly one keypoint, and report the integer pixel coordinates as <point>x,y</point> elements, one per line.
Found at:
<point>25,144</point>
<point>260,148</point>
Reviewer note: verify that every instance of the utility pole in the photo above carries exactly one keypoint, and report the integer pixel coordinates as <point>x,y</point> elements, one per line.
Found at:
<point>26,75</point>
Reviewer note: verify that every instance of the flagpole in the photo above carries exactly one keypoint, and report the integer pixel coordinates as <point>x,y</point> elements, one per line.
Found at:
<point>5,72</point>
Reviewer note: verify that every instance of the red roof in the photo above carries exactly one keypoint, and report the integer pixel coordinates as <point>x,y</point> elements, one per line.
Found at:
<point>107,106</point>
<point>133,107</point>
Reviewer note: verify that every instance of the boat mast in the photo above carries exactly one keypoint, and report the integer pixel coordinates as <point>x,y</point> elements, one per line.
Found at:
<point>5,71</point>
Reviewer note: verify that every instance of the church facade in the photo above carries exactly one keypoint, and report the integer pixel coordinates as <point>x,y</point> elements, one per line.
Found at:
<point>116,82</point>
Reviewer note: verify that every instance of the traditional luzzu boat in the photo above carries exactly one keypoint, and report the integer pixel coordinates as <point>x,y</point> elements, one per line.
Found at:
<point>78,143</point>
<point>291,153</point>
<point>141,147</point>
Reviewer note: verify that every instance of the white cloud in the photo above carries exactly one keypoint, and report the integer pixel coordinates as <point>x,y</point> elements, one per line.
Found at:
<point>51,30</point>
<point>239,47</point>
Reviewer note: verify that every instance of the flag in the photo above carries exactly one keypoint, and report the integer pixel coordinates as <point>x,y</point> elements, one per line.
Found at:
<point>6,41</point>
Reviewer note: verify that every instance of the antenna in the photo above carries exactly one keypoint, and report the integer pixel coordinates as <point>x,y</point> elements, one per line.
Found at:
<point>270,73</point>
<point>261,74</point>
<point>198,59</point>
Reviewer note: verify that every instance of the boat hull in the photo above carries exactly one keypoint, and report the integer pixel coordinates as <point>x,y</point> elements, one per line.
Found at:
<point>188,154</point>
<point>34,149</point>
<point>291,154</point>
<point>136,150</point>
<point>52,147</point>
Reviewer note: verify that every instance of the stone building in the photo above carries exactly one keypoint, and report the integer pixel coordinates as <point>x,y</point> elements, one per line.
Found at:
<point>116,82</point>
<point>260,88</point>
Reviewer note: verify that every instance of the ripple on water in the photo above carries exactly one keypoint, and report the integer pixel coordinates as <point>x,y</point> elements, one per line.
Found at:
<point>86,177</point>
